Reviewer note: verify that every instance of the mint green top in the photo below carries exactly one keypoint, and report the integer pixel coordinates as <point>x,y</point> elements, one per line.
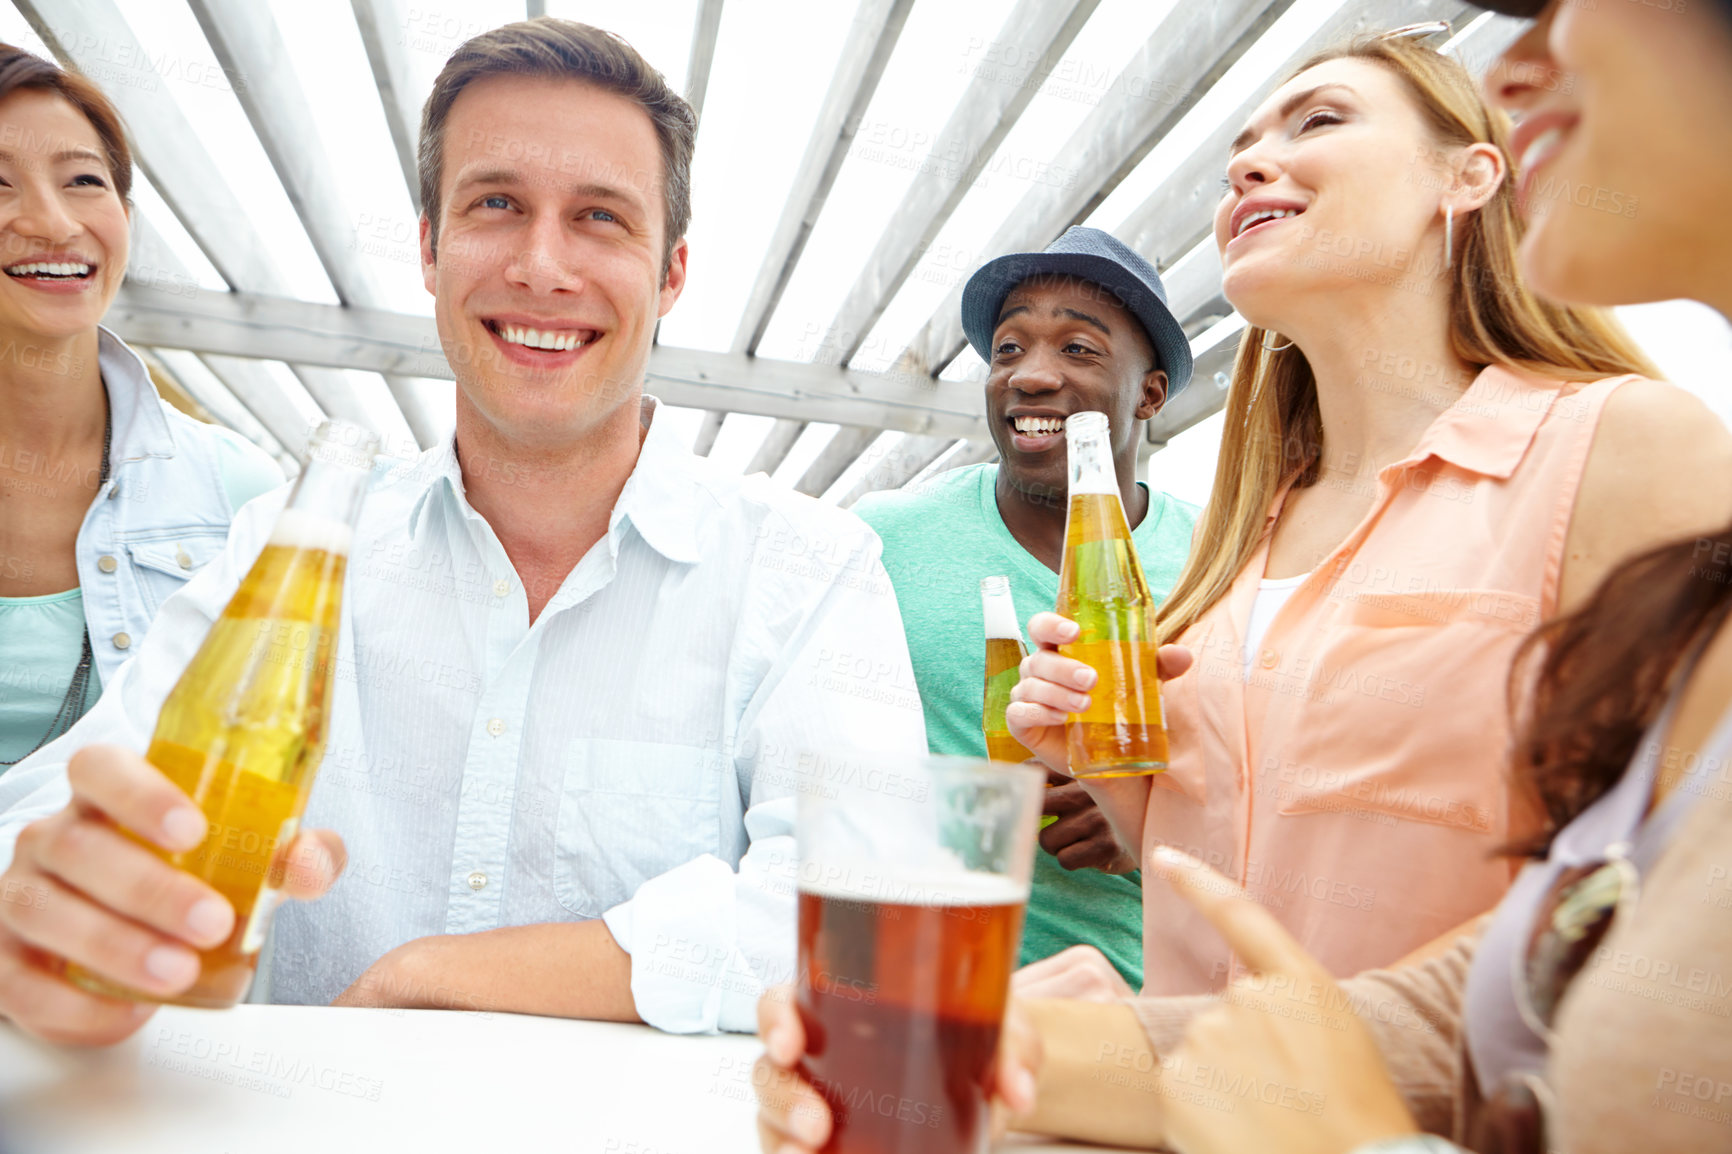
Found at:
<point>940,539</point>
<point>41,638</point>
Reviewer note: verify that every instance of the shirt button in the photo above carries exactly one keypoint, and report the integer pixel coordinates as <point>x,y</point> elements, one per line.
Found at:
<point>1270,658</point>
<point>477,880</point>
<point>501,587</point>
<point>496,727</point>
<point>181,558</point>
<point>123,641</point>
<point>107,564</point>
<point>114,491</point>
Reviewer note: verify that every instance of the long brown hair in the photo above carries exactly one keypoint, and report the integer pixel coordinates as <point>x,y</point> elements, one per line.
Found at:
<point>1604,672</point>
<point>1274,430</point>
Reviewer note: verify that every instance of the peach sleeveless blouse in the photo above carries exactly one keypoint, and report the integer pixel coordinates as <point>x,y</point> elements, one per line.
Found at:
<point>1357,784</point>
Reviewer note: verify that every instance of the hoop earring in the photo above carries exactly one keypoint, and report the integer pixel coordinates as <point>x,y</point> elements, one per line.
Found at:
<point>1449,238</point>
<point>1268,348</point>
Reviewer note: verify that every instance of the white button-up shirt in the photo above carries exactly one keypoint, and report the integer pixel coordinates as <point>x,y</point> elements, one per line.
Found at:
<point>632,755</point>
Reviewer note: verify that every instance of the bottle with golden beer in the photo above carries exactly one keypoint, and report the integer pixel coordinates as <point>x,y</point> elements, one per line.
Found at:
<point>243,730</point>
<point>1101,587</point>
<point>1004,654</point>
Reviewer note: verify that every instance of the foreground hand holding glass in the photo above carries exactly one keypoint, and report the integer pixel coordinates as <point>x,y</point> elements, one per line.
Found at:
<point>912,886</point>
<point>243,731</point>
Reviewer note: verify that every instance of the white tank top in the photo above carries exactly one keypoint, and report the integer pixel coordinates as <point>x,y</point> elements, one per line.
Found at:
<point>1272,593</point>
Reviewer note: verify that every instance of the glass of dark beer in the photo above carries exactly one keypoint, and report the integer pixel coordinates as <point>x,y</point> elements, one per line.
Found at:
<point>913,880</point>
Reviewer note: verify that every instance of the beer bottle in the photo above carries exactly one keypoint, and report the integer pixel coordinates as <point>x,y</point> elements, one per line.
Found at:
<point>1004,654</point>
<point>1101,587</point>
<point>243,730</point>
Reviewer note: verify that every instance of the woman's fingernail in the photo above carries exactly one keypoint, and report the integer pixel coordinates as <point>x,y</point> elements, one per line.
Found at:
<point>1084,678</point>
<point>171,965</point>
<point>183,827</point>
<point>1079,702</point>
<point>209,918</point>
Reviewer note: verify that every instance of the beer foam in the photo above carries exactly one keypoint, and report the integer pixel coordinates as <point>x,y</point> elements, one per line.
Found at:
<point>1001,617</point>
<point>843,881</point>
<point>301,529</point>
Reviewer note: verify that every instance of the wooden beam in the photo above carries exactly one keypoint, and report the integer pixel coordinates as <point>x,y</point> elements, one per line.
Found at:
<point>305,333</point>
<point>248,43</point>
<point>1033,38</point>
<point>1192,48</point>
<point>848,443</point>
<point>908,459</point>
<point>706,438</point>
<point>872,37</point>
<point>703,56</point>
<point>92,36</point>
<point>776,444</point>
<point>383,38</point>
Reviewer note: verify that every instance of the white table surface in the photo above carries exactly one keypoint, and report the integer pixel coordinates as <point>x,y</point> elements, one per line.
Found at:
<point>312,1080</point>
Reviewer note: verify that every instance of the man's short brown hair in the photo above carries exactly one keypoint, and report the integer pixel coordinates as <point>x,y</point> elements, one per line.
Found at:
<point>565,49</point>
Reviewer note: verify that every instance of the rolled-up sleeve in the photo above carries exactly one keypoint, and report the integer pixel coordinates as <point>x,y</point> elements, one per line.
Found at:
<point>706,939</point>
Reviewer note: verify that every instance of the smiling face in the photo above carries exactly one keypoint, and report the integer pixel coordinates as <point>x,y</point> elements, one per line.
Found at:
<point>1064,346</point>
<point>1335,186</point>
<point>1624,145</point>
<point>548,274</point>
<point>63,227</point>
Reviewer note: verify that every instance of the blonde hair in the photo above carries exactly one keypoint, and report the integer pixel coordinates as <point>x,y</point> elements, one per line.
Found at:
<point>1274,431</point>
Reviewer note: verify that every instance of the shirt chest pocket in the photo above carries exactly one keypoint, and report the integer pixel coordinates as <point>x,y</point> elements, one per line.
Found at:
<point>1404,713</point>
<point>164,563</point>
<point>629,811</point>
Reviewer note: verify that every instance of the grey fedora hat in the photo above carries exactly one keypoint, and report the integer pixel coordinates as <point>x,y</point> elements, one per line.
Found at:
<point>1088,254</point>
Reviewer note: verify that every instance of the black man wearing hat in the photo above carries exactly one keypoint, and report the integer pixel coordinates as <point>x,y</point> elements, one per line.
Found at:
<point>1082,326</point>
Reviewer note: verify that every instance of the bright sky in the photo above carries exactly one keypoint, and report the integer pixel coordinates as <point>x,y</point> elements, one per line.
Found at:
<point>773,64</point>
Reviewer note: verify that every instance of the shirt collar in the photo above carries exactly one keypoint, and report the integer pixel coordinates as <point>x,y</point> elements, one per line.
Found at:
<point>660,499</point>
<point>139,426</point>
<point>1489,428</point>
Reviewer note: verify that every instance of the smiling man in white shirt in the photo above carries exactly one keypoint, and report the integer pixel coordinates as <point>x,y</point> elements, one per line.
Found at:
<point>581,672</point>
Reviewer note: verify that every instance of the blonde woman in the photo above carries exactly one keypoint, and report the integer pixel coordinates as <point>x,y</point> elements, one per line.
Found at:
<point>1422,461</point>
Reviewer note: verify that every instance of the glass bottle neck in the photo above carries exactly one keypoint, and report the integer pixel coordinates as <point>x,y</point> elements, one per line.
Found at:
<point>323,507</point>
<point>1091,463</point>
<point>999,610</point>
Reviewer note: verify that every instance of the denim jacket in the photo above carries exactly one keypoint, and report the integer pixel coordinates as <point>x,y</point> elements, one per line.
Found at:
<point>161,515</point>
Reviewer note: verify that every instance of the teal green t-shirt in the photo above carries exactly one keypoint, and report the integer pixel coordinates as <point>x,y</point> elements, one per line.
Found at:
<point>940,539</point>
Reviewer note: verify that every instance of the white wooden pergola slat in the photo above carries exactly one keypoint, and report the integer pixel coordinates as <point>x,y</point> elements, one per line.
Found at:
<point>232,333</point>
